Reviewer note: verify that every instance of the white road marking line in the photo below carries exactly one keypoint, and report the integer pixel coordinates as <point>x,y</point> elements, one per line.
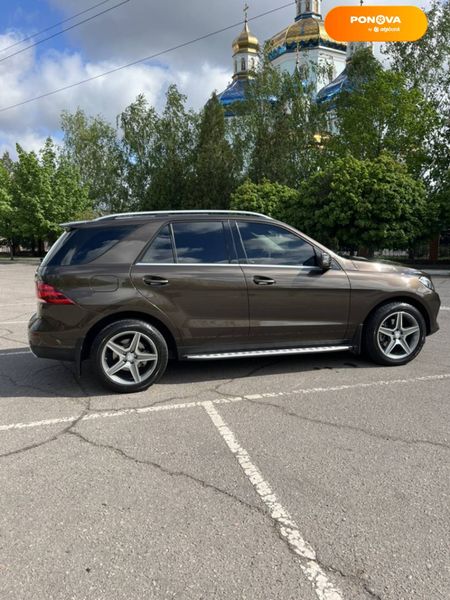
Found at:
<point>12,322</point>
<point>289,530</point>
<point>230,400</point>
<point>102,415</point>
<point>15,353</point>
<point>445,307</point>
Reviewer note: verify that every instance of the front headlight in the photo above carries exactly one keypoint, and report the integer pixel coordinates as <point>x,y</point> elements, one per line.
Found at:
<point>426,281</point>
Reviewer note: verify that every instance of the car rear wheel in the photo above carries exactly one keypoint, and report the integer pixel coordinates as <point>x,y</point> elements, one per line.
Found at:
<point>129,356</point>
<point>394,334</point>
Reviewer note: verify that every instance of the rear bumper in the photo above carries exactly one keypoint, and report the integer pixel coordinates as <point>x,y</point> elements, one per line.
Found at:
<point>66,354</point>
<point>50,344</point>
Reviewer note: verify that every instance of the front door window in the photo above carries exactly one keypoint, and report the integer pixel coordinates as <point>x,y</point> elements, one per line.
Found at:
<point>267,244</point>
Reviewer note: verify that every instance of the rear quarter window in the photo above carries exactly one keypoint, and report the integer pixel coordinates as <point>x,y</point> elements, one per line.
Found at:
<point>85,246</point>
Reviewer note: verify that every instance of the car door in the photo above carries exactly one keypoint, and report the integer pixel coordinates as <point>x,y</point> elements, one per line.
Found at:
<point>291,300</point>
<point>190,272</point>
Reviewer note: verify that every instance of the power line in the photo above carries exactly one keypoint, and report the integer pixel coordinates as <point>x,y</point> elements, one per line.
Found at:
<point>145,59</point>
<point>30,37</point>
<point>91,18</point>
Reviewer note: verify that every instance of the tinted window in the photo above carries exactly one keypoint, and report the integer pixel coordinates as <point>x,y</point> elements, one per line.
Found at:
<point>160,251</point>
<point>271,245</point>
<point>83,246</point>
<point>200,242</point>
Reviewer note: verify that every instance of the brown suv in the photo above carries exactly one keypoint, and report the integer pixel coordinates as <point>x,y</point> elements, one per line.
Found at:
<point>129,291</point>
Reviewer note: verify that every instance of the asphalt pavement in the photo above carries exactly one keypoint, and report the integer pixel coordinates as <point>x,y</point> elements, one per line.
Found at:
<point>299,478</point>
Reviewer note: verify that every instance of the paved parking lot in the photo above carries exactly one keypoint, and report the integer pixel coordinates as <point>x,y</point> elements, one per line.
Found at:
<point>296,478</point>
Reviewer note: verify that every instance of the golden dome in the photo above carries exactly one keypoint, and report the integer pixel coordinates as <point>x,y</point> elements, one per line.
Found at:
<point>303,31</point>
<point>246,42</point>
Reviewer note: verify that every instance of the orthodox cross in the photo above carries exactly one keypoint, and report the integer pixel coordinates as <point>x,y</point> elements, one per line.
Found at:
<point>246,7</point>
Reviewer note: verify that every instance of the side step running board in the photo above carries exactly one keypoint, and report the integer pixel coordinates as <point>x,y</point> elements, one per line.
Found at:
<point>256,353</point>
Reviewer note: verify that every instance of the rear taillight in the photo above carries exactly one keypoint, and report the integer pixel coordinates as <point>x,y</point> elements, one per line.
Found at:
<point>49,295</point>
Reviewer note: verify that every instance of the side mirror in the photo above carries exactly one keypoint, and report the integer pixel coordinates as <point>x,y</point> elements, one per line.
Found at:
<point>324,261</point>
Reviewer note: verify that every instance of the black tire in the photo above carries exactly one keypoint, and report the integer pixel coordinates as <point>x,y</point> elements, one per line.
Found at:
<point>376,343</point>
<point>122,334</point>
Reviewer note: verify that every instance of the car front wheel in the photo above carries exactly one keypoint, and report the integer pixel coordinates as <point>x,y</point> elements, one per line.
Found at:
<point>129,356</point>
<point>395,334</point>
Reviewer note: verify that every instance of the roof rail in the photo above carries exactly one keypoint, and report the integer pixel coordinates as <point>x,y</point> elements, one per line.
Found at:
<point>181,212</point>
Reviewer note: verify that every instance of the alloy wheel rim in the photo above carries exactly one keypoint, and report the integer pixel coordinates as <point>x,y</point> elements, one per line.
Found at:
<point>398,335</point>
<point>129,358</point>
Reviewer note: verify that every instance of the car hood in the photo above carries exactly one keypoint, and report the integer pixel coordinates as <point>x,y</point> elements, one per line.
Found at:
<point>381,267</point>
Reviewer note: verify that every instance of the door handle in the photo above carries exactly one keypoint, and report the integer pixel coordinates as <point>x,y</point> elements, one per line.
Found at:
<point>259,280</point>
<point>154,281</point>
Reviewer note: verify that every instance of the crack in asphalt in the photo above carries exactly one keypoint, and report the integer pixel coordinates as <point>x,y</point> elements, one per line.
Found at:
<point>355,579</point>
<point>275,526</point>
<point>253,371</point>
<point>56,436</point>
<point>181,474</point>
<point>53,438</point>
<point>386,438</point>
<point>28,386</point>
<point>9,339</point>
<point>145,407</point>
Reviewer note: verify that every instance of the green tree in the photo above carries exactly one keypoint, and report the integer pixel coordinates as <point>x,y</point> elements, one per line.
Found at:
<point>267,198</point>
<point>7,230</point>
<point>278,127</point>
<point>425,66</point>
<point>44,191</point>
<point>215,173</point>
<point>425,63</point>
<point>31,194</point>
<point>373,204</point>
<point>92,146</point>
<point>138,123</point>
<point>380,113</point>
<point>172,155</point>
<point>65,198</point>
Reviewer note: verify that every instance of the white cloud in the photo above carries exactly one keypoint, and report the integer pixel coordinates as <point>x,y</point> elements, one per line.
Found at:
<point>25,76</point>
<point>142,27</point>
<point>29,140</point>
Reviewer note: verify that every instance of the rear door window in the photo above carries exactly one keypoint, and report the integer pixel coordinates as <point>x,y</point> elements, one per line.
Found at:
<point>201,243</point>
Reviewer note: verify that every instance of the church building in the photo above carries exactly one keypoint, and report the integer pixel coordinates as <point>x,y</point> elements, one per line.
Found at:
<point>303,44</point>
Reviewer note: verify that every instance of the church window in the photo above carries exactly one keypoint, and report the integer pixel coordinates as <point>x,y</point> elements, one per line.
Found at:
<point>243,67</point>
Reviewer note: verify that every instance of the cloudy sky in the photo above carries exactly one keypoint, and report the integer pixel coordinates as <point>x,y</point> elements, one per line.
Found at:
<point>129,32</point>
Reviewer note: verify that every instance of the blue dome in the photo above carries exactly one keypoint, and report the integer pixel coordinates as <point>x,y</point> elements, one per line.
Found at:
<point>235,92</point>
<point>330,92</point>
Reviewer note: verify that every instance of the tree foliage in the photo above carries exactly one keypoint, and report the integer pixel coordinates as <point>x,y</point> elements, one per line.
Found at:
<point>267,198</point>
<point>379,113</point>
<point>38,193</point>
<point>361,203</point>
<point>91,145</point>
<point>6,208</point>
<point>425,65</point>
<point>278,127</point>
<point>216,165</point>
